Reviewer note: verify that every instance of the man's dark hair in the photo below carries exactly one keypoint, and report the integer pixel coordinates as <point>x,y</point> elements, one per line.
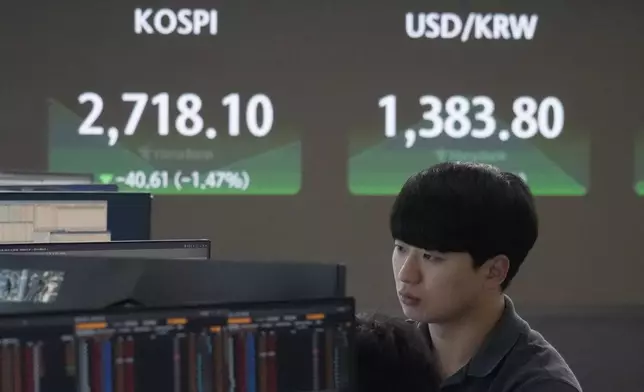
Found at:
<point>467,207</point>
<point>392,356</point>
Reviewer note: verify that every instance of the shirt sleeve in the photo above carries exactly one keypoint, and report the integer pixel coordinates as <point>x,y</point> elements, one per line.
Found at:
<point>547,385</point>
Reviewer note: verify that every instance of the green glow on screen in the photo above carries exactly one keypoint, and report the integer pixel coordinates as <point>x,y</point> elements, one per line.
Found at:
<point>273,169</point>
<point>379,167</point>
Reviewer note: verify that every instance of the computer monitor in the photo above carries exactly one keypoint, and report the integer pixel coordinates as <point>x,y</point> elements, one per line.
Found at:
<point>286,347</point>
<point>30,283</point>
<point>74,216</point>
<point>164,249</point>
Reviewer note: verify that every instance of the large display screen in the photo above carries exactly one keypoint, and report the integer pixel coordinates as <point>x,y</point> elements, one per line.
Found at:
<point>236,98</point>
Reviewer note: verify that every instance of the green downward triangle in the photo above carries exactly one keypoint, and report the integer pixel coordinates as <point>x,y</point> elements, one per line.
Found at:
<point>106,178</point>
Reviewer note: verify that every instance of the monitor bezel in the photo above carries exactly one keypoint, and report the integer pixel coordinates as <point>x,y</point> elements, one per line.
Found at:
<point>232,306</point>
<point>87,178</point>
<point>100,245</point>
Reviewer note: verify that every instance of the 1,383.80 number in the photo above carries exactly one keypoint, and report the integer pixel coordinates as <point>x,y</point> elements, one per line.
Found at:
<point>452,117</point>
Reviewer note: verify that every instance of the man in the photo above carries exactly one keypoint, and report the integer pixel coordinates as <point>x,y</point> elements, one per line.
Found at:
<point>391,357</point>
<point>461,232</point>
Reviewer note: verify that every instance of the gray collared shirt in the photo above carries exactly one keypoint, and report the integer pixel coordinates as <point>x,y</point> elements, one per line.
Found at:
<point>513,358</point>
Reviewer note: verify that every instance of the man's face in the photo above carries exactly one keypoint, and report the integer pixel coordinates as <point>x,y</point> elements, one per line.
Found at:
<point>435,287</point>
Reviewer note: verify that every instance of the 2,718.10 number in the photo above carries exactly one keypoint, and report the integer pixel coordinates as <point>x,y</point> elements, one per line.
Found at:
<point>259,114</point>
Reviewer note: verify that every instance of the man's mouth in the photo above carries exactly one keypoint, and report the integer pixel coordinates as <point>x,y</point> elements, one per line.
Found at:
<point>407,299</point>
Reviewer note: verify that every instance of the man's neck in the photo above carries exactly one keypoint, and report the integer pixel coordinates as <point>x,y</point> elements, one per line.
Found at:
<point>455,343</point>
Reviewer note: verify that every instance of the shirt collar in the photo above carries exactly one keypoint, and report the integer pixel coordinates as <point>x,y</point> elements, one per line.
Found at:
<point>497,345</point>
<point>499,342</point>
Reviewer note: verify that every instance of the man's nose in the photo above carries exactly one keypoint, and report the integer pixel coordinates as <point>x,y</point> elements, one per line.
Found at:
<point>410,271</point>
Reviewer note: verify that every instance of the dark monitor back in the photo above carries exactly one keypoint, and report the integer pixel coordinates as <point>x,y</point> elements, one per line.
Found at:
<point>31,283</point>
<point>285,347</point>
<point>128,214</point>
<point>164,249</point>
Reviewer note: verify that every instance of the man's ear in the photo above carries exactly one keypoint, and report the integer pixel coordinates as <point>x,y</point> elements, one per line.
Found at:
<point>497,270</point>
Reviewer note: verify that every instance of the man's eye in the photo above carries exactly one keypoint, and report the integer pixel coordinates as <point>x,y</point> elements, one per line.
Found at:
<point>427,256</point>
<point>399,248</point>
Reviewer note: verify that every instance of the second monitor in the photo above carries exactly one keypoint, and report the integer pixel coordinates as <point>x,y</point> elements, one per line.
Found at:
<point>165,249</point>
<point>258,347</point>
